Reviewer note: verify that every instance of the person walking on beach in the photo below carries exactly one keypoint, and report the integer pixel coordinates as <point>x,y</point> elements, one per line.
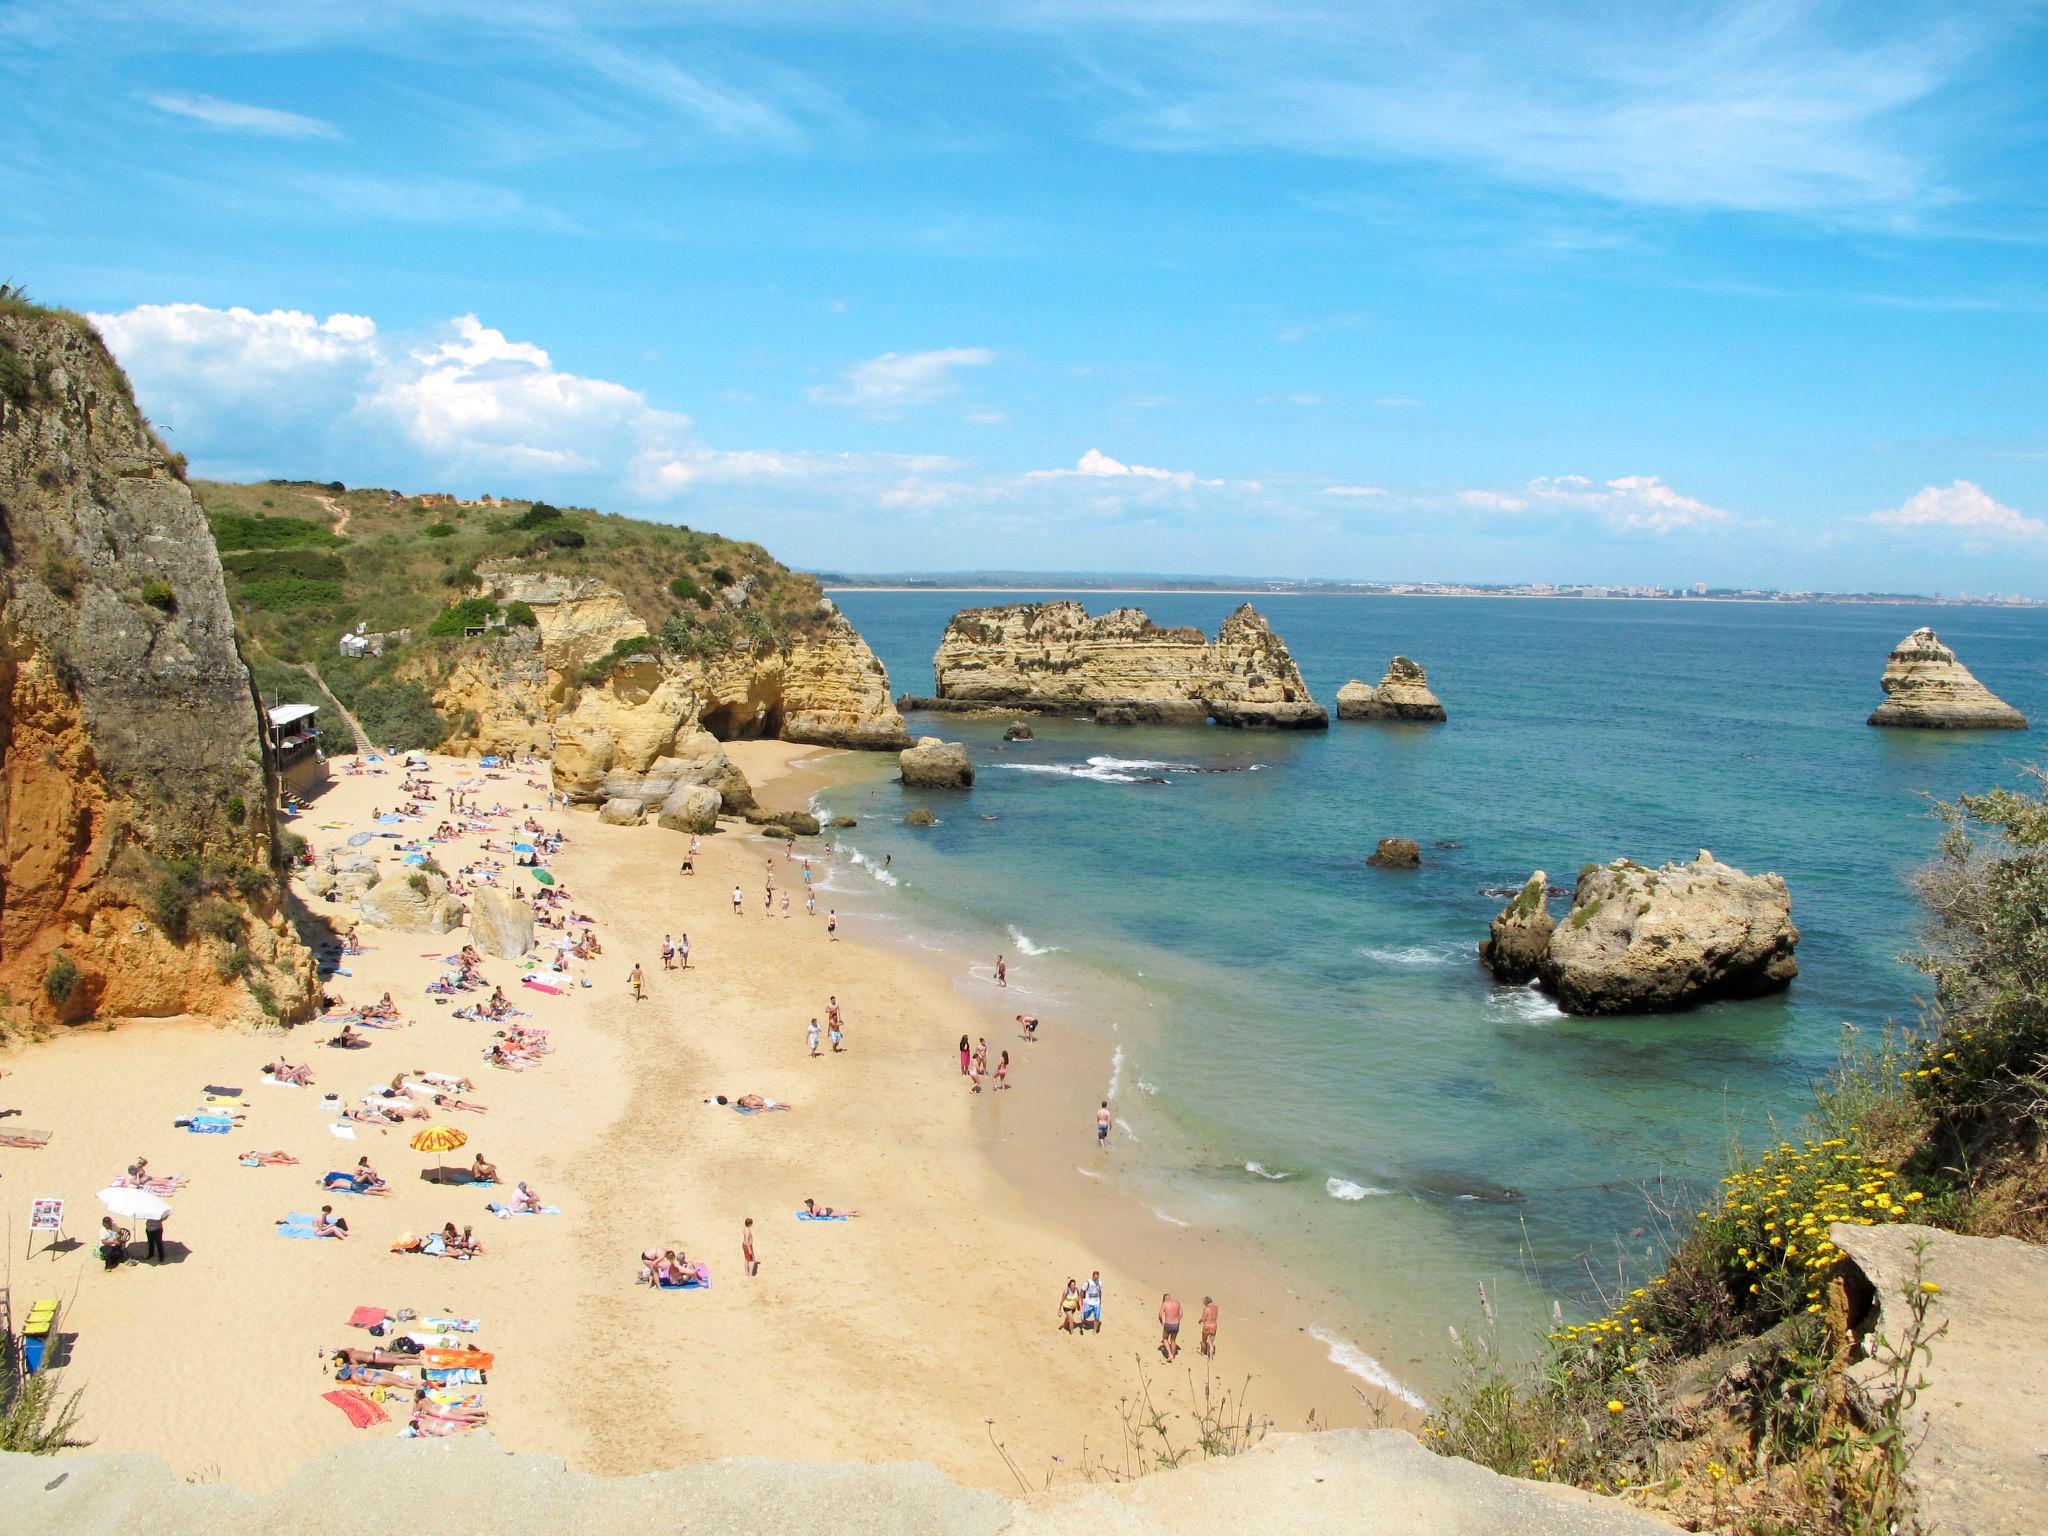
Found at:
<point>1209,1326</point>
<point>832,926</point>
<point>981,1057</point>
<point>966,1056</point>
<point>1169,1327</point>
<point>1091,1303</point>
<point>153,1234</point>
<point>814,1037</point>
<point>668,953</point>
<point>785,905</point>
<point>837,1032</point>
<point>1003,1071</point>
<point>810,903</point>
<point>738,901</point>
<point>1070,1306</point>
<point>747,1246</point>
<point>633,981</point>
<point>1102,1118</point>
<point>683,952</point>
<point>1002,972</point>
<point>768,900</point>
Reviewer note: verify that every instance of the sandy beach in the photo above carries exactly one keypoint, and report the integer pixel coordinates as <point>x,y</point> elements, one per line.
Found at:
<point>899,1335</point>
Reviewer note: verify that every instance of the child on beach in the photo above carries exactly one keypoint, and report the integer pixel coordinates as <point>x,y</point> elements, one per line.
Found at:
<point>814,1037</point>
<point>747,1247</point>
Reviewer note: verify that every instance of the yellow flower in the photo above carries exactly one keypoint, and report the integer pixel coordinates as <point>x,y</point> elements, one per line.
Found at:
<point>1716,1471</point>
<point>1615,1405</point>
<point>1930,1288</point>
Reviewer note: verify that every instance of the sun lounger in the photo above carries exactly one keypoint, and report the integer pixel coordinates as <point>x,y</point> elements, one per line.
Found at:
<point>360,1410</point>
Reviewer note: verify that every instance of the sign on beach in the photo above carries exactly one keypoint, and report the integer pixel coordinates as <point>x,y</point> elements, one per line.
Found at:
<point>46,1216</point>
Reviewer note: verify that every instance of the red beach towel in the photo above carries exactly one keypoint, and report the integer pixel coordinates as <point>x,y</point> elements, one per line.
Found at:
<point>541,986</point>
<point>366,1317</point>
<point>360,1410</point>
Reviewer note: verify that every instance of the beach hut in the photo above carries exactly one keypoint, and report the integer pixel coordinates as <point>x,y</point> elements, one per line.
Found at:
<point>291,740</point>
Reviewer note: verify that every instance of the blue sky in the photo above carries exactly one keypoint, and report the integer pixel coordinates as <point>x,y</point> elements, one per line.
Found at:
<point>1749,294</point>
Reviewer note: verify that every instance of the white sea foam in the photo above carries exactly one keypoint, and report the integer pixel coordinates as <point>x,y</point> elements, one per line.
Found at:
<point>1344,1189</point>
<point>1106,770</point>
<point>1145,1087</point>
<point>1349,1357</point>
<point>1416,954</point>
<point>1525,1005</point>
<point>1116,1073</point>
<point>1266,1173</point>
<point>1086,1173</point>
<point>1024,944</point>
<point>1125,1126</point>
<point>1173,1221</point>
<point>871,867</point>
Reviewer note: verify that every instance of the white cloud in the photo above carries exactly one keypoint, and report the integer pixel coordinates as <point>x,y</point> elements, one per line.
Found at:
<point>899,379</point>
<point>240,117</point>
<point>1097,465</point>
<point>1354,490</point>
<point>1963,506</point>
<point>1628,504</point>
<point>1492,501</point>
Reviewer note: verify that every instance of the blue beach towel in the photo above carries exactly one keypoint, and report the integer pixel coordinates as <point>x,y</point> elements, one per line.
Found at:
<point>358,839</point>
<point>807,1216</point>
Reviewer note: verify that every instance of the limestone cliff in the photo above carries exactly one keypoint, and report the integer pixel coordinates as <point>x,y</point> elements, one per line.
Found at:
<point>1403,694</point>
<point>1926,687</point>
<point>1120,666</point>
<point>140,851</point>
<point>589,686</point>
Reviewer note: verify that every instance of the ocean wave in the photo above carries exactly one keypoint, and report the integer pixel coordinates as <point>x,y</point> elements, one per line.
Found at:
<point>1086,1173</point>
<point>1416,954</point>
<point>1344,1189</point>
<point>1525,1005</point>
<point>1348,1357</point>
<point>1172,1221</point>
<point>1125,1126</point>
<point>1024,944</point>
<point>1145,1087</point>
<point>872,868</point>
<point>1116,1073</point>
<point>1264,1172</point>
<point>1108,770</point>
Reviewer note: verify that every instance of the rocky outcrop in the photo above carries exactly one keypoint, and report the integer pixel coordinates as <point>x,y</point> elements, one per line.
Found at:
<point>690,808</point>
<point>534,690</point>
<point>1403,694</point>
<point>1927,688</point>
<point>1978,1430</point>
<point>1519,937</point>
<point>1120,667</point>
<point>413,899</point>
<point>936,764</point>
<point>1396,853</point>
<point>1345,1482</point>
<point>621,812</point>
<point>139,876</point>
<point>1017,730</point>
<point>1643,940</point>
<point>500,923</point>
<point>920,816</point>
<point>786,823</point>
<point>698,760</point>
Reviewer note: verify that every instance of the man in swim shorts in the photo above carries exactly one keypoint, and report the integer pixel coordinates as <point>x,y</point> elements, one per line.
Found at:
<point>1102,1126</point>
<point>1091,1303</point>
<point>1169,1327</point>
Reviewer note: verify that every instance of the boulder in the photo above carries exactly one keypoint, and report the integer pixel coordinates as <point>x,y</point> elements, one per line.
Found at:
<point>1017,730</point>
<point>348,873</point>
<point>500,923</point>
<point>690,808</point>
<point>1515,944</point>
<point>1403,694</point>
<point>936,764</point>
<point>1925,687</point>
<point>411,900</point>
<point>795,823</point>
<point>1643,940</point>
<point>622,812</point>
<point>1396,853</point>
<point>920,818</point>
<point>842,821</point>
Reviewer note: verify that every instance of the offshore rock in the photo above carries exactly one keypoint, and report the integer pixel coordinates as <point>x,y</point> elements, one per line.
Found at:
<point>794,823</point>
<point>1017,730</point>
<point>936,764</point>
<point>1519,936</point>
<point>1121,668</point>
<point>1403,694</point>
<point>128,724</point>
<point>1926,687</point>
<point>1650,940</point>
<point>1396,853</point>
<point>920,817</point>
<point>500,923</point>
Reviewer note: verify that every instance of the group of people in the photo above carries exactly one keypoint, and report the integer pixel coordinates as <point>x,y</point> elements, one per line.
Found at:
<point>835,1024</point>
<point>974,1064</point>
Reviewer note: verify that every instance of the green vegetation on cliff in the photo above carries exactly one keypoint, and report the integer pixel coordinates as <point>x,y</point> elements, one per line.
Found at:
<point>307,562</point>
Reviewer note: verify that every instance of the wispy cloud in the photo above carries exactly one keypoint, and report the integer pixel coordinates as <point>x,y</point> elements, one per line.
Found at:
<point>1962,507</point>
<point>1626,504</point>
<point>1357,492</point>
<point>1097,465</point>
<point>897,380</point>
<point>241,117</point>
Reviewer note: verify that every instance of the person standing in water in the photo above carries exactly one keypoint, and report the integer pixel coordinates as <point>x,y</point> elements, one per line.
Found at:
<point>1002,972</point>
<point>1102,1119</point>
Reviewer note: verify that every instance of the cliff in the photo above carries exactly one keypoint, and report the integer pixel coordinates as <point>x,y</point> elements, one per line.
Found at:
<point>140,872</point>
<point>1403,694</point>
<point>1926,687</point>
<point>1120,667</point>
<point>513,627</point>
<point>1340,1483</point>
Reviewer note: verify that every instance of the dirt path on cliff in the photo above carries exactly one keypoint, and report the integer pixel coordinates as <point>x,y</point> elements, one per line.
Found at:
<point>363,742</point>
<point>338,512</point>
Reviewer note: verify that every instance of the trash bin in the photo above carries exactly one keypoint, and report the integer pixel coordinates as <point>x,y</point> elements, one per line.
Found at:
<point>36,1333</point>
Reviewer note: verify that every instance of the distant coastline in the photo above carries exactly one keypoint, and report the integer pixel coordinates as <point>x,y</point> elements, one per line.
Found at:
<point>1143,586</point>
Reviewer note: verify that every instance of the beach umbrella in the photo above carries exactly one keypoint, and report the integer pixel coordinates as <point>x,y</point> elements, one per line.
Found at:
<point>543,877</point>
<point>138,1204</point>
<point>439,1139</point>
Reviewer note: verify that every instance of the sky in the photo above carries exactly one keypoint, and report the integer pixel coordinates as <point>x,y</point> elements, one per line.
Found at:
<point>1752,294</point>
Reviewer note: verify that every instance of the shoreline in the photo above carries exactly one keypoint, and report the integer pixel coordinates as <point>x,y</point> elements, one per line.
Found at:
<point>1036,1142</point>
<point>1533,597</point>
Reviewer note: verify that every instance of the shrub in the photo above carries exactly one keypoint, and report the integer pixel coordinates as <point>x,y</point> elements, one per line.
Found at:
<point>266,999</point>
<point>539,515</point>
<point>624,650</point>
<point>559,537</point>
<point>470,613</point>
<point>400,716</point>
<point>235,531</point>
<point>61,979</point>
<point>158,595</point>
<point>521,615</point>
<point>439,531</point>
<point>722,576</point>
<point>267,564</point>
<point>62,574</point>
<point>289,594</point>
<point>234,960</point>
<point>237,810</point>
<point>686,588</point>
<point>418,884</point>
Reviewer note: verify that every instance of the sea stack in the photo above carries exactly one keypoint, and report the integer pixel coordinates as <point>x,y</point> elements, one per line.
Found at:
<point>1119,668</point>
<point>1643,940</point>
<point>1403,694</point>
<point>1927,689</point>
<point>936,764</point>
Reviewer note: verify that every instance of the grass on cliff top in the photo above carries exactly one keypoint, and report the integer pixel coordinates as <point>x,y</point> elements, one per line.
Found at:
<point>301,574</point>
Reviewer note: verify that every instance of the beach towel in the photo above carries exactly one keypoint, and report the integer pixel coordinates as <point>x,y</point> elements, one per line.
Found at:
<point>278,1082</point>
<point>367,1317</point>
<point>458,1359</point>
<point>343,1132</point>
<point>206,1125</point>
<point>360,1410</point>
<point>506,1212</point>
<point>297,1234</point>
<point>359,839</point>
<point>541,986</point>
<point>700,1282</point>
<point>455,1324</point>
<point>808,1216</point>
<point>214,1090</point>
<point>464,1377</point>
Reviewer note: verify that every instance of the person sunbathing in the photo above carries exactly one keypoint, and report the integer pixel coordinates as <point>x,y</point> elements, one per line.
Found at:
<point>268,1160</point>
<point>825,1211</point>
<point>468,1243</point>
<point>481,1172</point>
<point>285,1072</point>
<point>445,1080</point>
<point>443,1101</point>
<point>374,1376</point>
<point>327,1224</point>
<point>385,1008</point>
<point>372,1182</point>
<point>497,1056</point>
<point>453,1412</point>
<point>370,1357</point>
<point>755,1101</point>
<point>398,1084</point>
<point>369,1114</point>
<point>349,1040</point>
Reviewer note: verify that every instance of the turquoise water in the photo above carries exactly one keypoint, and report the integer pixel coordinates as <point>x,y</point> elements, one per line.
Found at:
<point>1309,1050</point>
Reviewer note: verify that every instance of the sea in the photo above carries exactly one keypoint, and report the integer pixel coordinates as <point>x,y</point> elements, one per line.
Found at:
<point>1304,1051</point>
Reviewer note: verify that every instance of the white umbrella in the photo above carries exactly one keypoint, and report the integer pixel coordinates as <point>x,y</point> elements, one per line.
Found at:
<point>139,1204</point>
